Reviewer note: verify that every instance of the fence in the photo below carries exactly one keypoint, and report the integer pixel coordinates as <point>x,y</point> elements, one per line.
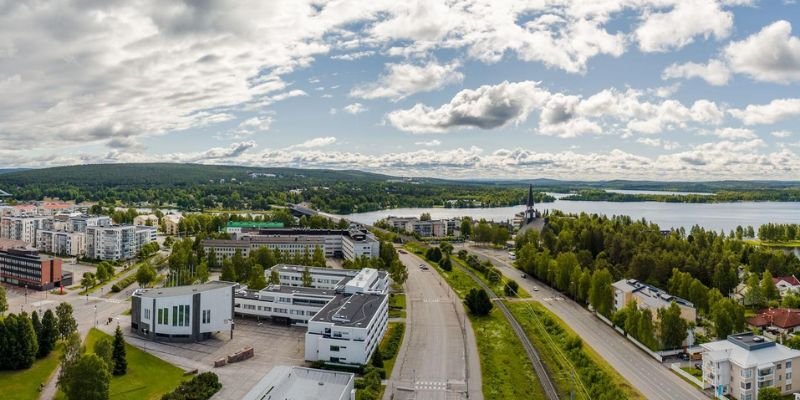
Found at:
<point>689,377</point>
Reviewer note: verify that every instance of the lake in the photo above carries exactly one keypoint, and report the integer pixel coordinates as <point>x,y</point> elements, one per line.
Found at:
<point>714,216</point>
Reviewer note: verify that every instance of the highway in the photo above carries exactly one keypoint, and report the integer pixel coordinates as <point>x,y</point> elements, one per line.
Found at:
<point>652,379</point>
<point>438,359</point>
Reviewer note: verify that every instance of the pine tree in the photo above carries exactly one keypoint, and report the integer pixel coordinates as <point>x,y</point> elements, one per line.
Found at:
<point>120,363</point>
<point>49,335</point>
<point>3,301</point>
<point>307,280</point>
<point>37,328</point>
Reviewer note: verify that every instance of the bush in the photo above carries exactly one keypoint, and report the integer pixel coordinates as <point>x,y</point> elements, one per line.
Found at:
<point>511,288</point>
<point>123,283</point>
<point>201,387</point>
<point>393,342</point>
<point>478,302</point>
<point>446,264</point>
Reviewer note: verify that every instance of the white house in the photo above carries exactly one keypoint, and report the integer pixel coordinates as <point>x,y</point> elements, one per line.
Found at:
<point>787,284</point>
<point>187,313</point>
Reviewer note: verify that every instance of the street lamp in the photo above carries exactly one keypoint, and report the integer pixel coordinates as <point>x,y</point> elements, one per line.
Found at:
<point>95,315</point>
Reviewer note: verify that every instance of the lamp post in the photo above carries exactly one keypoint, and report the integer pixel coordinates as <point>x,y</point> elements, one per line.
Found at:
<point>95,315</point>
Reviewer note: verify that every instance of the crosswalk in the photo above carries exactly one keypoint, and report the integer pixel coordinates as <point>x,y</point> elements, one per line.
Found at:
<point>430,385</point>
<point>115,301</point>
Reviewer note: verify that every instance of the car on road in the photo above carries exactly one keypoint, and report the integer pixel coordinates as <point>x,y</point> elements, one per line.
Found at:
<point>524,276</point>
<point>512,256</point>
<point>535,288</point>
<point>401,251</point>
<point>423,267</point>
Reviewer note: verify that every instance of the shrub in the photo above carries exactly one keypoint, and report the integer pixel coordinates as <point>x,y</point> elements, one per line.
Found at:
<point>393,342</point>
<point>201,387</point>
<point>123,283</point>
<point>511,288</point>
<point>478,302</point>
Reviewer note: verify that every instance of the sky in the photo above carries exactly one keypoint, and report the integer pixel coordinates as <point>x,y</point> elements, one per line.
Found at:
<point>566,89</point>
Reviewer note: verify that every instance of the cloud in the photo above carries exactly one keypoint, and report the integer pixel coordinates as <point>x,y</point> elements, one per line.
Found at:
<point>403,80</point>
<point>248,128</point>
<point>666,145</point>
<point>771,55</point>
<point>715,72</point>
<point>735,133</point>
<point>315,143</point>
<point>676,28</point>
<point>781,134</point>
<point>355,108</point>
<point>770,113</point>
<point>353,56</point>
<point>487,107</point>
<point>430,143</point>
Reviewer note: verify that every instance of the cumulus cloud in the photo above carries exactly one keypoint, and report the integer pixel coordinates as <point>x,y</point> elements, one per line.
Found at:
<point>771,55</point>
<point>715,72</point>
<point>430,143</point>
<point>653,142</point>
<point>315,143</point>
<point>770,113</point>
<point>403,80</point>
<point>677,27</point>
<point>353,56</point>
<point>735,133</point>
<point>355,108</point>
<point>781,134</point>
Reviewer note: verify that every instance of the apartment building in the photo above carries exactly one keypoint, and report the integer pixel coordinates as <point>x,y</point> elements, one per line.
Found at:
<point>117,242</point>
<point>61,242</point>
<point>342,243</point>
<point>428,228</point>
<point>172,224</point>
<point>743,364</point>
<point>23,228</point>
<point>79,223</point>
<point>650,297</point>
<point>183,313</point>
<point>146,220</point>
<point>25,267</point>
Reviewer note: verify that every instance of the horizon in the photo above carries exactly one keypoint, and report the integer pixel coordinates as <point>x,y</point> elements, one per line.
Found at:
<point>653,90</point>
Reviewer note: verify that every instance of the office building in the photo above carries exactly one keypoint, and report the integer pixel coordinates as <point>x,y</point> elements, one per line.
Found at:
<point>743,364</point>
<point>23,266</point>
<point>183,313</point>
<point>282,383</point>
<point>61,242</point>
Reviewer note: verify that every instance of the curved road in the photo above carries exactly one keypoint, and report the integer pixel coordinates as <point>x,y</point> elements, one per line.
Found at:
<point>652,379</point>
<point>438,359</point>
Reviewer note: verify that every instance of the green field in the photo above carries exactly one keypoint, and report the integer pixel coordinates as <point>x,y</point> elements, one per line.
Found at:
<point>24,384</point>
<point>148,377</point>
<point>506,372</point>
<point>498,287</point>
<point>397,305</point>
<point>561,350</point>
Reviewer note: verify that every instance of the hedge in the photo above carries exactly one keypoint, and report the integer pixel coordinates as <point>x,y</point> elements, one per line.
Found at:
<point>123,283</point>
<point>201,387</point>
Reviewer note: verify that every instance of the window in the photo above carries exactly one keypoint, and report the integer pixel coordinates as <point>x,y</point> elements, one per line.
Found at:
<point>789,387</point>
<point>746,386</point>
<point>174,315</point>
<point>206,317</point>
<point>334,348</point>
<point>788,376</point>
<point>186,315</point>
<point>788,364</point>
<point>778,366</point>
<point>747,373</point>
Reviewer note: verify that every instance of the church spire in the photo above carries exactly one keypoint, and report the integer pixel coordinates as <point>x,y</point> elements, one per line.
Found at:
<point>530,196</point>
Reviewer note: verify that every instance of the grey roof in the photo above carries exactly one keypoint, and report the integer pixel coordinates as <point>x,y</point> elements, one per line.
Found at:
<point>181,290</point>
<point>253,294</point>
<point>354,310</point>
<point>296,383</point>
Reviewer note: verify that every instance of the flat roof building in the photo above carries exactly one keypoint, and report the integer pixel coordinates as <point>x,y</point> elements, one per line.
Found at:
<point>297,383</point>
<point>183,313</point>
<point>649,297</point>
<point>25,267</point>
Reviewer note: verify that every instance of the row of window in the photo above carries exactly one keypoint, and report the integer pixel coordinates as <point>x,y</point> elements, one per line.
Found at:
<point>180,315</point>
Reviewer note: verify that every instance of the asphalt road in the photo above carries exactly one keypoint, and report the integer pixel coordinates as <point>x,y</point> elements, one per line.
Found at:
<point>653,380</point>
<point>438,359</point>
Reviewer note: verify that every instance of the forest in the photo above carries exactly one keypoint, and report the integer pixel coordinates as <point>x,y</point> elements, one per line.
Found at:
<point>786,195</point>
<point>202,187</point>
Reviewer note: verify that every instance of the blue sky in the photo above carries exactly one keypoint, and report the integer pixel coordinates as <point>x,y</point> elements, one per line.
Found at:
<point>627,89</point>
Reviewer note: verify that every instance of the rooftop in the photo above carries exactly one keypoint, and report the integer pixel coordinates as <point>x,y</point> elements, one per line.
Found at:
<point>788,279</point>
<point>650,294</point>
<point>354,310</point>
<point>254,224</point>
<point>285,289</point>
<point>749,350</point>
<point>181,290</point>
<point>785,318</point>
<point>297,383</point>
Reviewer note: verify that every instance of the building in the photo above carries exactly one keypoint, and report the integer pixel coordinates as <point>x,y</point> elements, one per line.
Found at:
<point>342,243</point>
<point>237,227</point>
<point>117,242</point>
<point>777,320</point>
<point>346,311</point>
<point>61,242</point>
<point>742,365</point>
<point>25,267</point>
<point>172,224</point>
<point>282,383</point>
<point>79,223</point>
<point>787,284</point>
<point>649,297</point>
<point>22,228</point>
<point>145,220</point>
<point>426,228</point>
<point>183,313</point>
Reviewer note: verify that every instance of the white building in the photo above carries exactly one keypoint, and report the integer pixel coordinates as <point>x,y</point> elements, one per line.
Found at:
<point>742,365</point>
<point>61,242</point>
<point>429,228</point>
<point>79,223</point>
<point>117,242</point>
<point>146,220</point>
<point>298,383</point>
<point>22,228</point>
<point>183,312</point>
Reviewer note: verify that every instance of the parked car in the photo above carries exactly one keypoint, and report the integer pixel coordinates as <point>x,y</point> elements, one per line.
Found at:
<point>524,276</point>
<point>684,357</point>
<point>535,288</point>
<point>401,251</point>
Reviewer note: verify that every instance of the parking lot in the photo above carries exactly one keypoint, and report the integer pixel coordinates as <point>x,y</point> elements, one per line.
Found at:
<point>273,345</point>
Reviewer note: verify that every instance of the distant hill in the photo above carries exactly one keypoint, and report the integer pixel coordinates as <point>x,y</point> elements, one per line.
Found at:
<point>10,170</point>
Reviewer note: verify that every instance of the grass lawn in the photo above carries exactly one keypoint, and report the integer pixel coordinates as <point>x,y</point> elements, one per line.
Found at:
<point>497,288</point>
<point>148,377</point>
<point>388,363</point>
<point>24,384</point>
<point>596,374</point>
<point>507,373</point>
<point>397,305</point>
<point>697,373</point>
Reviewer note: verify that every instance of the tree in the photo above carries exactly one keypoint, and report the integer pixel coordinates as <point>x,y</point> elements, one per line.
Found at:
<point>37,326</point>
<point>601,295</point>
<point>86,379</point>
<point>49,334</point>
<point>118,354</point>
<point>274,278</point>
<point>478,302</point>
<point>398,272</point>
<point>754,295</point>
<point>768,288</point>
<point>425,217</point>
<point>446,263</point>
<point>672,328</point>
<point>256,280</point>
<point>66,322</point>
<point>3,301</point>
<point>88,281</point>
<point>769,393</point>
<point>228,272</point>
<point>434,254</point>
<point>483,232</point>
<point>306,277</point>
<point>145,275</point>
<point>511,288</point>
<point>466,227</point>
<point>104,349</point>
<point>318,257</point>
<point>202,272</point>
<point>727,317</point>
<point>446,247</point>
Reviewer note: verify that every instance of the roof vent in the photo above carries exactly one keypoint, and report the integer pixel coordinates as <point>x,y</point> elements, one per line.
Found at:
<point>758,339</point>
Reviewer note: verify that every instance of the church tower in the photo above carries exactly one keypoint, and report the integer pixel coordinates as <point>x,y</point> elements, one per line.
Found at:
<point>530,212</point>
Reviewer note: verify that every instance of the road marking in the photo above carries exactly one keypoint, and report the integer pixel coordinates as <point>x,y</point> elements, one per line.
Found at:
<point>115,301</point>
<point>437,300</point>
<point>432,386</point>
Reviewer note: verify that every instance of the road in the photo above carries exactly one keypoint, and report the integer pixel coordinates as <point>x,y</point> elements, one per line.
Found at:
<point>438,359</point>
<point>652,379</point>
